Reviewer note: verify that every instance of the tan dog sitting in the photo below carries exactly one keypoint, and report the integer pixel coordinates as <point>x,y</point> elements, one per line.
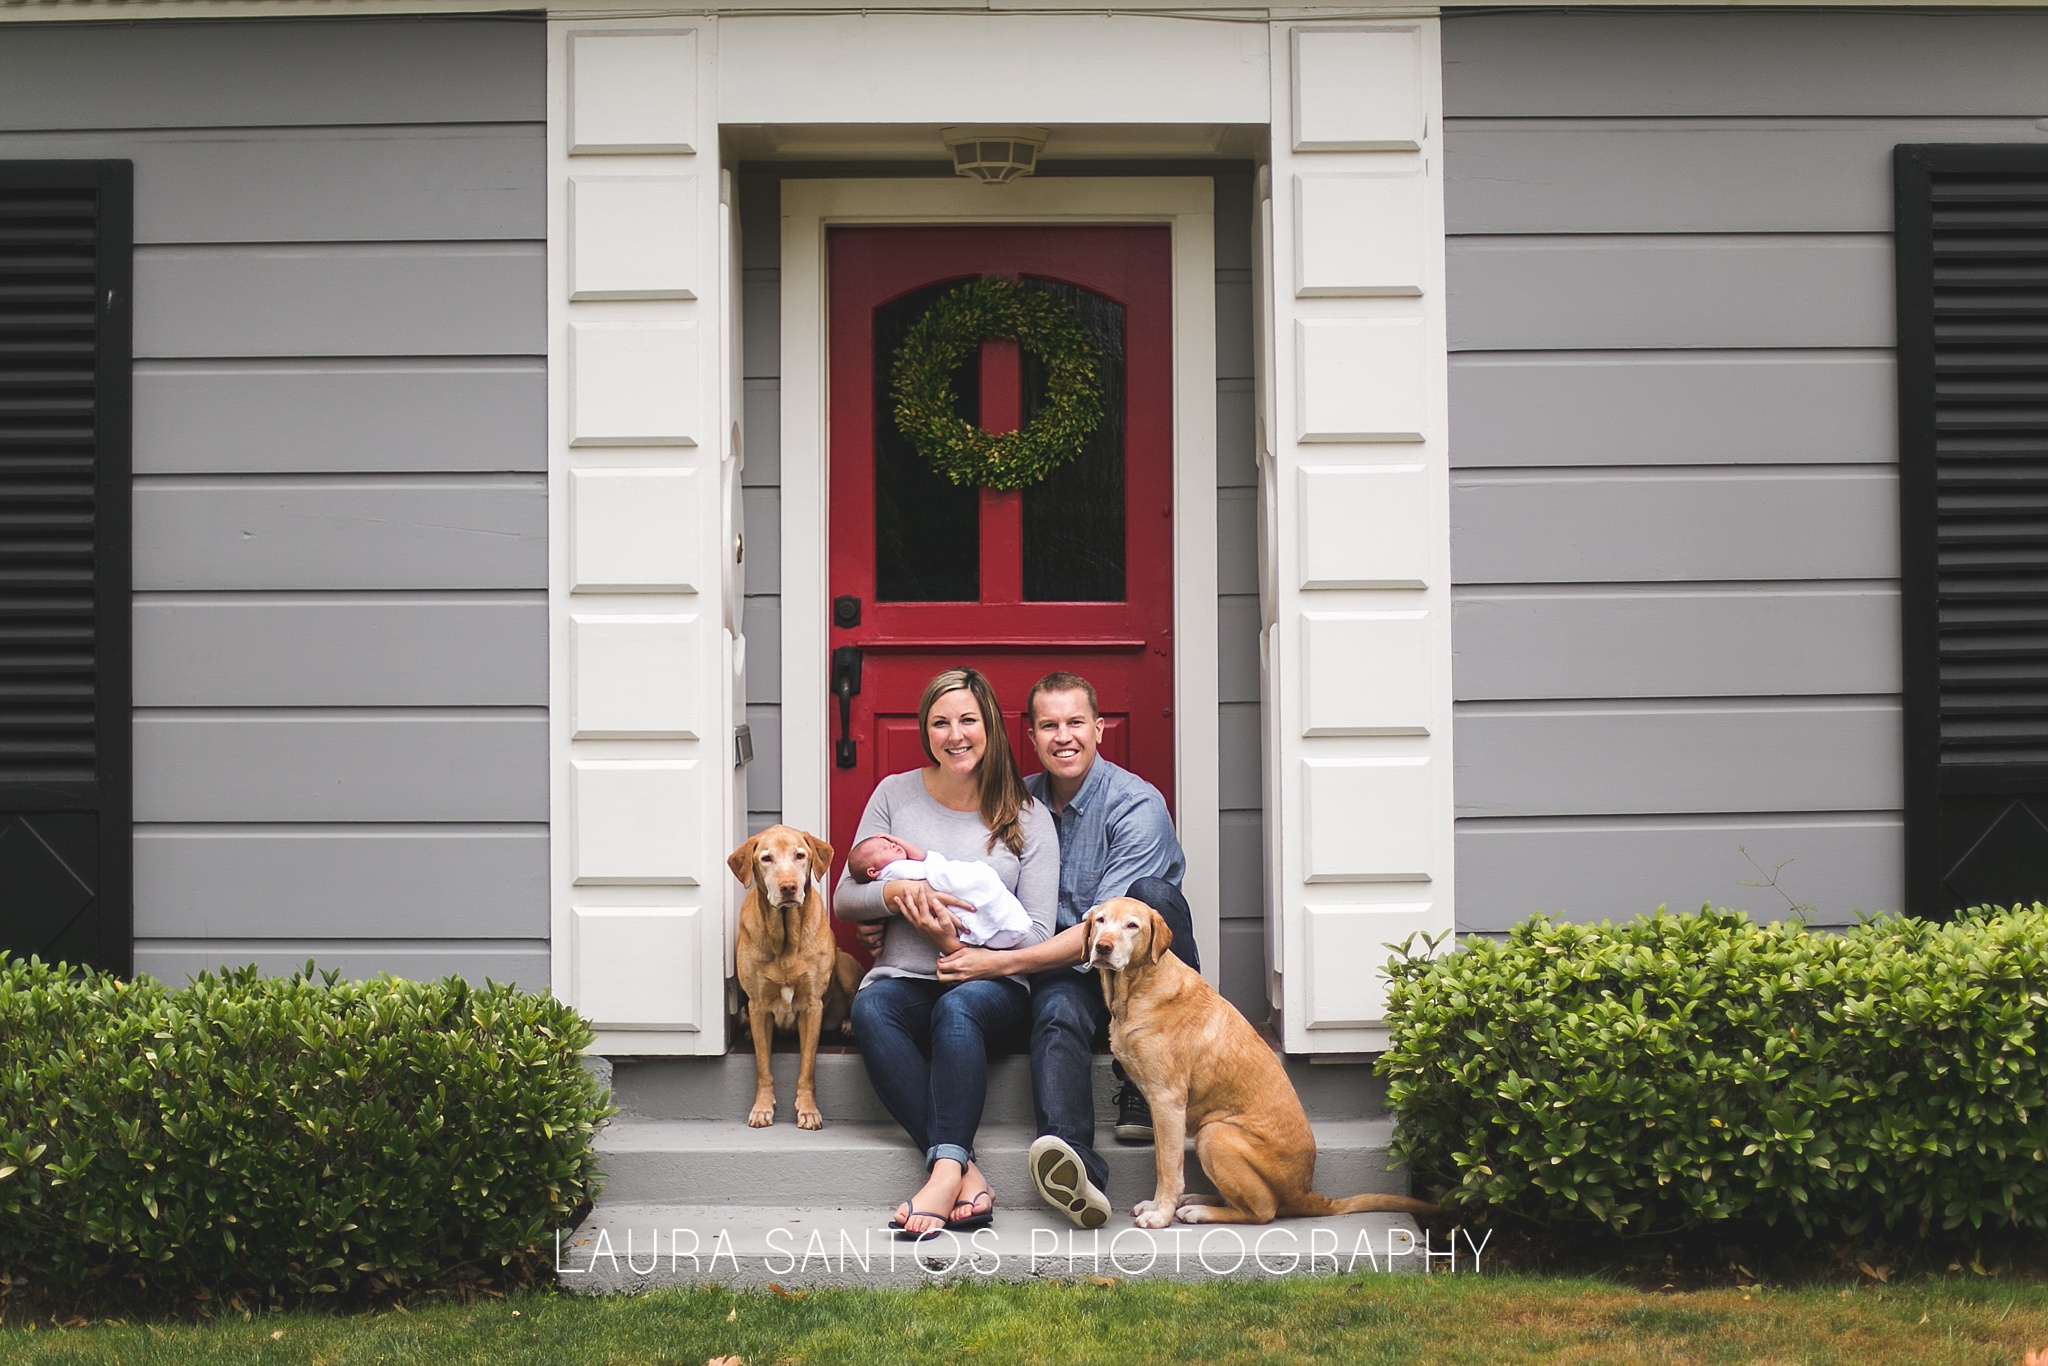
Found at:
<point>791,968</point>
<point>1202,1066</point>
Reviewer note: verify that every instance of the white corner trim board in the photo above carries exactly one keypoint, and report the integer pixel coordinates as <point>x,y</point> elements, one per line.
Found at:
<point>1355,487</point>
<point>640,347</point>
<point>1187,207</point>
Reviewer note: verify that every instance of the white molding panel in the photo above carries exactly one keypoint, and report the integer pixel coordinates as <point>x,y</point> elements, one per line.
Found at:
<point>632,89</point>
<point>1360,88</point>
<point>1369,820</point>
<point>1362,379</point>
<point>629,531</point>
<point>1347,945</point>
<point>633,383</point>
<point>635,677</point>
<point>1355,488</point>
<point>1365,526</point>
<point>633,237</point>
<point>636,821</point>
<point>1358,673</point>
<point>640,958</point>
<point>640,344</point>
<point>1359,234</point>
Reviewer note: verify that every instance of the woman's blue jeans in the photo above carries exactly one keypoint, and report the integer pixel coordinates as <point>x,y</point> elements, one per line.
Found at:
<point>927,1044</point>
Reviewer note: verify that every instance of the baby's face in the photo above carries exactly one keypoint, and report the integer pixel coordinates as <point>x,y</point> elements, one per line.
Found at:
<point>876,852</point>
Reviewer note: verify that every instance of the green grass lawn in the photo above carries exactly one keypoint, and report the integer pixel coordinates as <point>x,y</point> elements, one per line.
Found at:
<point>1409,1319</point>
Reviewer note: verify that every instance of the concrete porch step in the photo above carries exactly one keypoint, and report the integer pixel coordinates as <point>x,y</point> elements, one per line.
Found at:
<point>870,1166</point>
<point>722,1088</point>
<point>633,1247</point>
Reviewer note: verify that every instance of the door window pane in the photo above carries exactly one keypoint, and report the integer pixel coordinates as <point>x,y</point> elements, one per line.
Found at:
<point>927,528</point>
<point>1074,517</point>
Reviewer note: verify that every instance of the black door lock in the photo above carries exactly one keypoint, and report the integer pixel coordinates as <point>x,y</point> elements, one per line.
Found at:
<point>846,611</point>
<point>846,662</point>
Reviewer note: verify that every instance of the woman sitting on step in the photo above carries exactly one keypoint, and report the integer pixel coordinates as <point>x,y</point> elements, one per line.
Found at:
<point>926,1043</point>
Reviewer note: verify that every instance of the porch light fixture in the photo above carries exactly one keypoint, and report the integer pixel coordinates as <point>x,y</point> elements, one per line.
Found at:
<point>994,156</point>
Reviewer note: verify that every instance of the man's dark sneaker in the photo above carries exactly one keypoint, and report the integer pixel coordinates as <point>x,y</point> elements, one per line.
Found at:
<point>1133,1115</point>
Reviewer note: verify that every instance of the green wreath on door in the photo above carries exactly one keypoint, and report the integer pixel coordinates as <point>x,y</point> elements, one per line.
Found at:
<point>950,331</point>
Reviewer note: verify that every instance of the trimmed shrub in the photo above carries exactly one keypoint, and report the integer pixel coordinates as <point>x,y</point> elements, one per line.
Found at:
<point>1682,1070</point>
<point>284,1136</point>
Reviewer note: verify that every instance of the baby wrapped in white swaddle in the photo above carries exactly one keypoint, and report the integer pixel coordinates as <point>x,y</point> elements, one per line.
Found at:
<point>997,919</point>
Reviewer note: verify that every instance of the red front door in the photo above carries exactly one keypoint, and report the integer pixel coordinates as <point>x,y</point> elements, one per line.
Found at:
<point>1073,573</point>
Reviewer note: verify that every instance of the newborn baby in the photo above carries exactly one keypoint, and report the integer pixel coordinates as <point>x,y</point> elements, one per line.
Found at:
<point>997,920</point>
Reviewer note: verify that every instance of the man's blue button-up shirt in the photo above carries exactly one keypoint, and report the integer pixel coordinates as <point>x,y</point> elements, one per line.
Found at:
<point>1112,833</point>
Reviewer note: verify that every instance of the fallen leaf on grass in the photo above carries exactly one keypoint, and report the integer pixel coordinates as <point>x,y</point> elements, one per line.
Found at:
<point>1105,1282</point>
<point>276,1335</point>
<point>725,1361</point>
<point>1881,1274</point>
<point>732,1313</point>
<point>776,1286</point>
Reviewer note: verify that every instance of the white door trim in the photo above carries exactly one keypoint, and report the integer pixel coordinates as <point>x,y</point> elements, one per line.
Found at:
<point>1187,206</point>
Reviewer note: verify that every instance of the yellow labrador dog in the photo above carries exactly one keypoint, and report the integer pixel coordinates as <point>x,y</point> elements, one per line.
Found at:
<point>1203,1067</point>
<point>792,970</point>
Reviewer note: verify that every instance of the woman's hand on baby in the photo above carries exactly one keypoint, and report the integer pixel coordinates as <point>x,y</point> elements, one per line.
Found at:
<point>929,912</point>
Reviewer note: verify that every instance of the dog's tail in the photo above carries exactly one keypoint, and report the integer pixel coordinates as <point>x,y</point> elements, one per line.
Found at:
<point>1317,1205</point>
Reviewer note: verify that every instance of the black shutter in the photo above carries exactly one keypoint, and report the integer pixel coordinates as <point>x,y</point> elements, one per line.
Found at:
<point>66,846</point>
<point>1973,504</point>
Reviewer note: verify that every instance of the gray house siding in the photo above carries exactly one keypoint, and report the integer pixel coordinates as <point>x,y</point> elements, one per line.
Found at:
<point>1242,914</point>
<point>1674,504</point>
<point>340,550</point>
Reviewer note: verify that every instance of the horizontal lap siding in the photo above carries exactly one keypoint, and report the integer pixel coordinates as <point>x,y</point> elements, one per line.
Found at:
<point>375,880</point>
<point>341,649</point>
<point>323,531</point>
<point>1586,407</point>
<point>310,416</point>
<point>421,299</point>
<point>340,539</point>
<point>1675,524</point>
<point>305,764</point>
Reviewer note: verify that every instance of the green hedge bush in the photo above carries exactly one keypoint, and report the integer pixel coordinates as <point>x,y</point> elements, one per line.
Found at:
<point>1682,1070</point>
<point>284,1136</point>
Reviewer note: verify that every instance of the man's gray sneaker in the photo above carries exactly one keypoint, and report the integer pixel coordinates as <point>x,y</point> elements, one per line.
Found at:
<point>1063,1182</point>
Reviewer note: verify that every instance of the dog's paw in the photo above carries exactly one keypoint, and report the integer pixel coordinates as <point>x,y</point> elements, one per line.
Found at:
<point>1156,1217</point>
<point>807,1117</point>
<point>1196,1214</point>
<point>761,1116</point>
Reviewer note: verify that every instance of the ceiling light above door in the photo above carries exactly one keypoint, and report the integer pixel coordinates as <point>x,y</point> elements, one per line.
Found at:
<point>994,156</point>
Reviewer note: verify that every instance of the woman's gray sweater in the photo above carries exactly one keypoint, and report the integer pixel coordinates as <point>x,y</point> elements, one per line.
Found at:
<point>902,807</point>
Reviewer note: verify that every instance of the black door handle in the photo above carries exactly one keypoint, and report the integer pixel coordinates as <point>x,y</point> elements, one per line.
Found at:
<point>846,662</point>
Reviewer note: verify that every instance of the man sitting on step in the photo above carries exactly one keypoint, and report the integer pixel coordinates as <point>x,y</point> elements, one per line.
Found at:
<point>1116,839</point>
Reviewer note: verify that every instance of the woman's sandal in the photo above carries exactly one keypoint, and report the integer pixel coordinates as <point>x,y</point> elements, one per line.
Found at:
<point>903,1229</point>
<point>977,1217</point>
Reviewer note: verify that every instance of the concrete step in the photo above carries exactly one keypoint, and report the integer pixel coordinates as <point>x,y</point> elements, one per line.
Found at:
<point>633,1247</point>
<point>723,1089</point>
<point>871,1166</point>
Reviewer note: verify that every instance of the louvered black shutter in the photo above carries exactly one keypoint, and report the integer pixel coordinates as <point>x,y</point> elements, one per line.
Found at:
<point>66,249</point>
<point>1973,504</point>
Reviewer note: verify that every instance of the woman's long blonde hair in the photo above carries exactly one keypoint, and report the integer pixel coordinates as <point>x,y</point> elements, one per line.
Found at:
<point>1003,796</point>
